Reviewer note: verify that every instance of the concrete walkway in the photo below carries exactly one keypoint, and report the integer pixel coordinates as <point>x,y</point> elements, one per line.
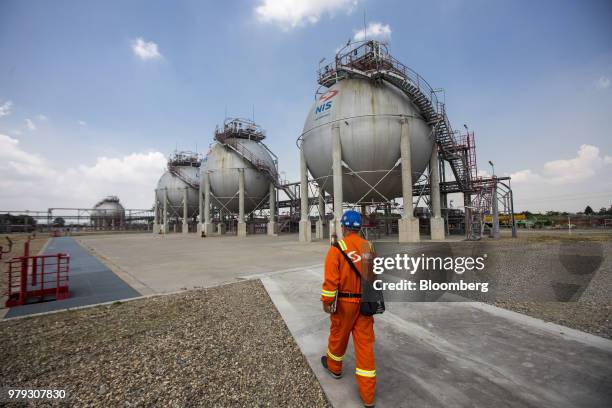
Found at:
<point>453,354</point>
<point>91,282</point>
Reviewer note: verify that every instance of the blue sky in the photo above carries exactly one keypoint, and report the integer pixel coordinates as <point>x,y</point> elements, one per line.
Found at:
<point>83,115</point>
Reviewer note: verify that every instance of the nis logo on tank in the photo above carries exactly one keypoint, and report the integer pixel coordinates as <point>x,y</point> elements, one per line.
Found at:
<point>325,104</point>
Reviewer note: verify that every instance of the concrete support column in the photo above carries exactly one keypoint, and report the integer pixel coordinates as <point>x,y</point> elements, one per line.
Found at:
<point>201,203</point>
<point>185,228</point>
<point>165,227</point>
<point>320,224</point>
<point>436,222</point>
<point>305,228</point>
<point>272,225</point>
<point>337,173</point>
<point>156,215</point>
<point>207,226</point>
<point>408,225</point>
<point>241,232</point>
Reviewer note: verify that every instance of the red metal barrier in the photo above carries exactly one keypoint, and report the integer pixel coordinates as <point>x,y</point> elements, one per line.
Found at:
<point>37,278</point>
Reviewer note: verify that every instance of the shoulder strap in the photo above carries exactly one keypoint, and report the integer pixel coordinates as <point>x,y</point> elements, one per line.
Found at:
<point>348,259</point>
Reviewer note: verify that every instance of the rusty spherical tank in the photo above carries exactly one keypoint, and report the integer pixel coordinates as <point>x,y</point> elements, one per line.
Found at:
<point>223,164</point>
<point>369,116</point>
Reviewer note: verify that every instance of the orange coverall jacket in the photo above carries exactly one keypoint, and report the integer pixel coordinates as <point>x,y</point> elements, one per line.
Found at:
<point>347,320</point>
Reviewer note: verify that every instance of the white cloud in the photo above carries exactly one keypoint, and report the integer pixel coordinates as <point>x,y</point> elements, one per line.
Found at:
<point>145,50</point>
<point>82,123</point>
<point>42,117</point>
<point>293,13</point>
<point>30,125</point>
<point>29,181</point>
<point>373,31</point>
<point>16,132</point>
<point>565,184</point>
<point>6,108</point>
<point>587,163</point>
<point>603,82</point>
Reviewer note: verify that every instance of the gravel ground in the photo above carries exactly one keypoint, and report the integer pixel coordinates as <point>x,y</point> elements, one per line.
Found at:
<point>223,346</point>
<point>554,276</point>
<point>592,311</point>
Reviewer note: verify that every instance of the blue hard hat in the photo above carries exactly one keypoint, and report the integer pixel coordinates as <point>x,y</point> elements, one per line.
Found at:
<point>351,220</point>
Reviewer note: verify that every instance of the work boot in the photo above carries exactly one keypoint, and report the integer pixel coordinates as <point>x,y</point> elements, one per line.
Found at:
<point>324,364</point>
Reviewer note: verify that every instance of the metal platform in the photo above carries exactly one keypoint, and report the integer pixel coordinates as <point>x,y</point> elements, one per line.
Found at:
<point>91,281</point>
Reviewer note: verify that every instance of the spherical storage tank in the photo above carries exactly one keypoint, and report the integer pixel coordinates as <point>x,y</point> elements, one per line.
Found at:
<point>238,147</point>
<point>368,114</point>
<point>183,172</point>
<point>108,212</point>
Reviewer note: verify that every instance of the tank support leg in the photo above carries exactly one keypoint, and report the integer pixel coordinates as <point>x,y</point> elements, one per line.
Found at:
<point>241,232</point>
<point>408,225</point>
<point>156,215</point>
<point>320,225</point>
<point>272,226</point>
<point>436,222</point>
<point>208,225</point>
<point>165,228</point>
<point>337,172</point>
<point>305,230</point>
<point>185,228</point>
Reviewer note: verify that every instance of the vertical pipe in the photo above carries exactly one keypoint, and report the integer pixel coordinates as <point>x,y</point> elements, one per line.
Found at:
<point>337,173</point>
<point>495,205</point>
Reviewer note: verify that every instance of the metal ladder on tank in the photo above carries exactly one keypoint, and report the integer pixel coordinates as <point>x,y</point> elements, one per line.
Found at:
<point>377,64</point>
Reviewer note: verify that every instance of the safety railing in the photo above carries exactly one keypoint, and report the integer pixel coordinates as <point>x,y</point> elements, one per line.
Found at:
<point>37,278</point>
<point>373,56</point>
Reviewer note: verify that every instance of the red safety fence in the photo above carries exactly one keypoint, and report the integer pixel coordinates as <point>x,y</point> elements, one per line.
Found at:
<point>37,278</point>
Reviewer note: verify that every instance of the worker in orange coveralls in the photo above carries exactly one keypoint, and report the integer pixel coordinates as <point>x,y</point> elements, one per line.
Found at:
<point>342,289</point>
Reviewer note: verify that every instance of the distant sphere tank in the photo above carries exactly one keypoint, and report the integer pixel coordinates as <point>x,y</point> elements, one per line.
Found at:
<point>368,114</point>
<point>239,146</point>
<point>183,171</point>
<point>108,212</point>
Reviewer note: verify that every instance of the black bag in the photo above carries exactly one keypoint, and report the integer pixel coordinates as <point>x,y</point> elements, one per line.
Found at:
<point>375,304</point>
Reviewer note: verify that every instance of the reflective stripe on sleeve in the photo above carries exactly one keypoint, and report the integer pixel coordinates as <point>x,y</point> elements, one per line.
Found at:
<point>342,245</point>
<point>365,373</point>
<point>334,357</point>
<point>328,293</point>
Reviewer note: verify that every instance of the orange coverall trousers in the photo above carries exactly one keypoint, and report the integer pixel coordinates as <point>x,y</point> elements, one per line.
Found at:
<point>346,321</point>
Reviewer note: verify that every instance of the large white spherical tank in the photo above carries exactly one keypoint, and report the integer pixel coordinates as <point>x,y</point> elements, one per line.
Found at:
<point>176,189</point>
<point>108,211</point>
<point>222,165</point>
<point>368,116</point>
